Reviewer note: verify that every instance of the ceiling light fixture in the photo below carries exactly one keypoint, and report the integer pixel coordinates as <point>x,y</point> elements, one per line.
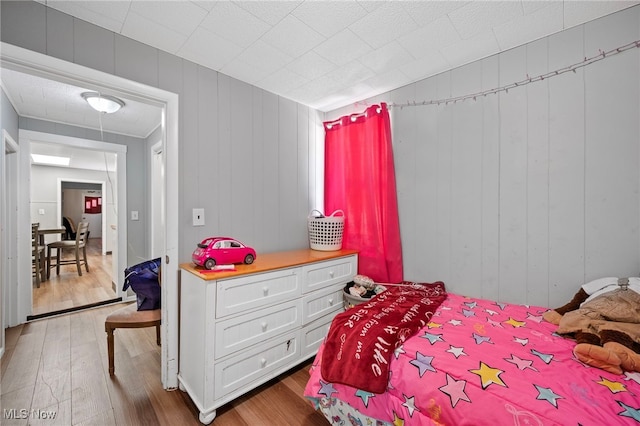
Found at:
<point>103,103</point>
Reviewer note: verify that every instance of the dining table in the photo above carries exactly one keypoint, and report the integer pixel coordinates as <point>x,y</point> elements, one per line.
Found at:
<point>42,232</point>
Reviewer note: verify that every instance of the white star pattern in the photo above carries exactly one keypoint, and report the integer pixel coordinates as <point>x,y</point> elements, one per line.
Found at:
<point>410,404</point>
<point>535,318</point>
<point>457,352</point>
<point>523,342</point>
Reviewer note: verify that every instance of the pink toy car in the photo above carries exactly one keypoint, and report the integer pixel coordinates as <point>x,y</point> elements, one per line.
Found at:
<point>222,251</point>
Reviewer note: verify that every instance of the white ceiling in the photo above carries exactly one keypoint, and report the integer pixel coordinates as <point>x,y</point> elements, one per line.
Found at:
<point>37,97</point>
<point>324,54</point>
<point>328,54</point>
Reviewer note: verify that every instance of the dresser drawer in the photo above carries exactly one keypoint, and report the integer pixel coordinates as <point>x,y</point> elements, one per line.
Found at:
<point>247,330</point>
<point>248,366</point>
<point>314,334</point>
<point>324,274</point>
<point>254,291</point>
<point>320,303</point>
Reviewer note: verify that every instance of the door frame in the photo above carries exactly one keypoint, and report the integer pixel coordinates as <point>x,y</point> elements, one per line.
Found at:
<point>34,63</point>
<point>155,181</point>
<point>8,232</point>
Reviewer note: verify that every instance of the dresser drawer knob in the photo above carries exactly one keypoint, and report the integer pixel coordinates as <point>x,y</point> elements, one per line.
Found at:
<point>331,274</point>
<point>263,362</point>
<point>265,291</point>
<point>331,301</point>
<point>264,326</point>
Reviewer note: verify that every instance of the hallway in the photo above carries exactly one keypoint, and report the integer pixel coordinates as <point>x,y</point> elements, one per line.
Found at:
<point>69,290</point>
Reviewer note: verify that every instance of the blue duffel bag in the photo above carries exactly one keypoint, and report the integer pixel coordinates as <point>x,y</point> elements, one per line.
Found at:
<point>143,280</point>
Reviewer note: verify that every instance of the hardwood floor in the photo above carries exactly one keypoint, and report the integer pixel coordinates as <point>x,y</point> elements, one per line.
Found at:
<point>69,290</point>
<point>59,365</point>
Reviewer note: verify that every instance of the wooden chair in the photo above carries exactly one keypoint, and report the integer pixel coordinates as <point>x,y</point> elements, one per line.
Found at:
<point>129,317</point>
<point>37,255</point>
<point>80,243</point>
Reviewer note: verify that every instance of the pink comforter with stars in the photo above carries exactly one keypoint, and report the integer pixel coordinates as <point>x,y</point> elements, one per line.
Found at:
<point>479,362</point>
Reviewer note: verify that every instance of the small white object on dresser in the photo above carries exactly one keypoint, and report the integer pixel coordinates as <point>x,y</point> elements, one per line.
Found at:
<point>239,329</point>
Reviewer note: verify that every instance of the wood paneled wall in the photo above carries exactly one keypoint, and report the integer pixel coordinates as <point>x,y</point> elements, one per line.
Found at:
<point>525,195</point>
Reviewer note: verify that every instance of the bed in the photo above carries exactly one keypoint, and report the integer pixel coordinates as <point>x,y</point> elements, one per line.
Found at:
<point>473,362</point>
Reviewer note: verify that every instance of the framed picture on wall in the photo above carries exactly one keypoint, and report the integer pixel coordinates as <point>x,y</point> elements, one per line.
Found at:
<point>93,205</point>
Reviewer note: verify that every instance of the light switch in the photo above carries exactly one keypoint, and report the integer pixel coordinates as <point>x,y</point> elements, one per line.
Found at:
<point>134,214</point>
<point>40,211</point>
<point>198,217</point>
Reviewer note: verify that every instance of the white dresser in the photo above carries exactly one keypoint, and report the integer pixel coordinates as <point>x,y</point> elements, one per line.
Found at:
<point>239,329</point>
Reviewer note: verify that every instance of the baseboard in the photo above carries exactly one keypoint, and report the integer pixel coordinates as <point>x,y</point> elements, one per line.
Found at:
<point>74,309</point>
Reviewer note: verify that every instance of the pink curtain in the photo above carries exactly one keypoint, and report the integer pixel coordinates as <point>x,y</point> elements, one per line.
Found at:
<point>360,180</point>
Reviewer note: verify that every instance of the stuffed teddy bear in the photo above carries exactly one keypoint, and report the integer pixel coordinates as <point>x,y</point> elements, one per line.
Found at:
<point>604,319</point>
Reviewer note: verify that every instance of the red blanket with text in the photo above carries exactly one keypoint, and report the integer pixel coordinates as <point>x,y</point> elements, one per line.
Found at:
<point>361,340</point>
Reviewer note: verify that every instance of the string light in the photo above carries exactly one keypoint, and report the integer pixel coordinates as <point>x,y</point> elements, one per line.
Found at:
<point>571,68</point>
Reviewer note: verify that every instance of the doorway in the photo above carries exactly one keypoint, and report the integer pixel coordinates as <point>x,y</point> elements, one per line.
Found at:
<point>34,63</point>
<point>78,200</point>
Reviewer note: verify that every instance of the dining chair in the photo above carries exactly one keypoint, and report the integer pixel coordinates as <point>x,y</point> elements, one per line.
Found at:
<point>37,255</point>
<point>78,246</point>
<point>129,317</point>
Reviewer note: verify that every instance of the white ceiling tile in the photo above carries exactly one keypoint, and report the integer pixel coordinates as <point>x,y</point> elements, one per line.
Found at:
<point>343,48</point>
<point>389,80</point>
<point>181,17</point>
<point>232,22</point>
<point>478,47</point>
<point>270,12</point>
<point>205,4</point>
<point>538,24</point>
<point>432,64</point>
<point>579,12</point>
<point>386,58</point>
<point>293,36</point>
<point>282,81</point>
<point>329,17</point>
<point>240,70</point>
<point>105,14</point>
<point>439,33</point>
<point>208,49</point>
<point>424,12</point>
<point>370,5</point>
<point>320,87</point>
<point>138,27</point>
<point>386,23</point>
<point>349,74</point>
<point>265,57</point>
<point>477,17</point>
<point>311,65</point>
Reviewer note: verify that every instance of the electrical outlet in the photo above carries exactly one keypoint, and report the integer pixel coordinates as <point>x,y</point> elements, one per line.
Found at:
<point>198,217</point>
